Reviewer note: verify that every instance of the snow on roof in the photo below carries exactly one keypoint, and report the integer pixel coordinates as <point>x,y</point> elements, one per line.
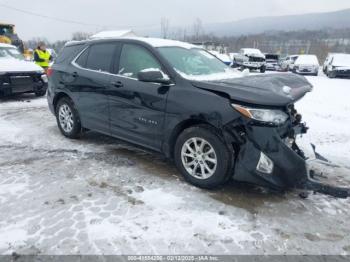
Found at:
<point>155,42</point>
<point>6,45</point>
<point>114,34</point>
<point>159,42</point>
<point>307,60</point>
<point>251,51</point>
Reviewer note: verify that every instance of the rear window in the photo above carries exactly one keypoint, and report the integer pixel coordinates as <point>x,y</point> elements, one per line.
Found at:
<point>67,53</point>
<point>100,57</point>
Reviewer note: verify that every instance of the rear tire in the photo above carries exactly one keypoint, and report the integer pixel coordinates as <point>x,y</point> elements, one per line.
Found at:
<point>67,117</point>
<point>263,69</point>
<point>203,157</point>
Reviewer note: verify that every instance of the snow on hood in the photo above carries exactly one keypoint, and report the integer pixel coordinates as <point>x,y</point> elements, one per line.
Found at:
<point>253,52</point>
<point>16,65</point>
<point>228,74</point>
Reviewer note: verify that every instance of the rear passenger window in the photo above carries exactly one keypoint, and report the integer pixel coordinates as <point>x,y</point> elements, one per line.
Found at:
<point>100,57</point>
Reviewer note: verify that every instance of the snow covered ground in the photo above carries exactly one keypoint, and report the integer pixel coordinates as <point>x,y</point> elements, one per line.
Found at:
<point>98,195</point>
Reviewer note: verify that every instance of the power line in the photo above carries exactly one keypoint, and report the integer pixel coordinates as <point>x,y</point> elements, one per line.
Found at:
<point>49,17</point>
<point>62,20</point>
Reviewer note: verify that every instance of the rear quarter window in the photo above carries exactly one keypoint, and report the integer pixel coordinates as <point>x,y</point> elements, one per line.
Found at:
<point>68,53</point>
<point>82,59</point>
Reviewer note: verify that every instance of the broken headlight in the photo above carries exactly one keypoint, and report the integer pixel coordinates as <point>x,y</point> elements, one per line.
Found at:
<point>273,116</point>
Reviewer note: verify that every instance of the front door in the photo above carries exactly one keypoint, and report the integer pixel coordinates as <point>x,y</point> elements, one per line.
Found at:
<point>137,109</point>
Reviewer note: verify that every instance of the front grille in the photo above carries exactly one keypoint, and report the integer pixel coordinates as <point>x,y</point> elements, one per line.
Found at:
<point>344,71</point>
<point>26,77</point>
<point>307,68</point>
<point>256,59</point>
<point>21,80</point>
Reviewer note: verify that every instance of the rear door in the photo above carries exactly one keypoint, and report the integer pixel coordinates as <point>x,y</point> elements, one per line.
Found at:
<point>137,109</point>
<point>92,71</point>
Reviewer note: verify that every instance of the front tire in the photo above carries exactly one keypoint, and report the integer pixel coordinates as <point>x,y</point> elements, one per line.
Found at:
<point>40,93</point>
<point>203,157</point>
<point>331,74</point>
<point>67,117</point>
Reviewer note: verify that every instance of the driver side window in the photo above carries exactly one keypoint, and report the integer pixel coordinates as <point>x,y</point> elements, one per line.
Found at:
<point>135,58</point>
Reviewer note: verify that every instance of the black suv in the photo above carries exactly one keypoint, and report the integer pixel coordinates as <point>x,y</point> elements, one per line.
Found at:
<point>180,100</point>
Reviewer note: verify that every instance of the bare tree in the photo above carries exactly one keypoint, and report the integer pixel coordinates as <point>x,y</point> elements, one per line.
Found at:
<point>197,29</point>
<point>164,27</point>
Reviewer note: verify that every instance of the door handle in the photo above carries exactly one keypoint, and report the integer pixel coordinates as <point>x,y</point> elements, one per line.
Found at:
<point>117,84</point>
<point>75,74</point>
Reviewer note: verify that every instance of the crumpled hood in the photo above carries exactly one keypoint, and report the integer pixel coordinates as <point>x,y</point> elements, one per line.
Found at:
<point>9,65</point>
<point>265,90</point>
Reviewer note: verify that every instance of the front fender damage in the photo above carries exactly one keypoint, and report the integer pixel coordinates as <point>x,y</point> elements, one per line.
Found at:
<point>290,162</point>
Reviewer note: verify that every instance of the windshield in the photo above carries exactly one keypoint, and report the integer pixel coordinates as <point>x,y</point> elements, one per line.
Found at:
<point>6,30</point>
<point>196,63</point>
<point>10,52</point>
<point>294,58</point>
<point>271,57</point>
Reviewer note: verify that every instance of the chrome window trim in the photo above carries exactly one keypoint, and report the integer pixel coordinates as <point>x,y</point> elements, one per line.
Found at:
<point>74,63</point>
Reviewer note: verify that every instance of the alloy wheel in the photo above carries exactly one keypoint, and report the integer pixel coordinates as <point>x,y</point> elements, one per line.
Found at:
<point>199,158</point>
<point>65,117</point>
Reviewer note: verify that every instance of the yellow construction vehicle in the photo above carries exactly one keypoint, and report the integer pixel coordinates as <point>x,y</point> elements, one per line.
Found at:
<point>9,36</point>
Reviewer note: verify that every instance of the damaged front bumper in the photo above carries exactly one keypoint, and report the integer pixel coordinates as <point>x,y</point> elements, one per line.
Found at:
<point>270,157</point>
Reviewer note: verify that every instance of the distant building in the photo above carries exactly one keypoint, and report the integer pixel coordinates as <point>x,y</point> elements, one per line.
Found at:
<point>113,34</point>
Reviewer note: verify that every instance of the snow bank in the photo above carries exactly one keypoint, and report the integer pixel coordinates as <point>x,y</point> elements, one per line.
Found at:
<point>327,112</point>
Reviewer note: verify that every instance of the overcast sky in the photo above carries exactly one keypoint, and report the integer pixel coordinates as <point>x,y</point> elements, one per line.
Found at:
<point>142,15</point>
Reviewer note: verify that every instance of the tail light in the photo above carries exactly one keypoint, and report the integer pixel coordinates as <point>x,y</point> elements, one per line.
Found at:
<point>49,72</point>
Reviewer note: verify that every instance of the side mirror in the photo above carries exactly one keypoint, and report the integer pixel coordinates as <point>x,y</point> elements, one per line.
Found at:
<point>153,76</point>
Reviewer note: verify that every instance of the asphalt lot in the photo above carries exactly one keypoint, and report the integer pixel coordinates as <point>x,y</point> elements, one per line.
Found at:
<point>98,195</point>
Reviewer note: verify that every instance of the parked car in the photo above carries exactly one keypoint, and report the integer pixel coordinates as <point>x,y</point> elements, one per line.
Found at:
<point>339,65</point>
<point>19,76</point>
<point>252,59</point>
<point>306,65</point>
<point>178,99</point>
<point>272,62</point>
<point>288,63</point>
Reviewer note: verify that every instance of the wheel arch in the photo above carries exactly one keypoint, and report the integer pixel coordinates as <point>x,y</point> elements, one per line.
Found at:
<point>58,96</point>
<point>169,145</point>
